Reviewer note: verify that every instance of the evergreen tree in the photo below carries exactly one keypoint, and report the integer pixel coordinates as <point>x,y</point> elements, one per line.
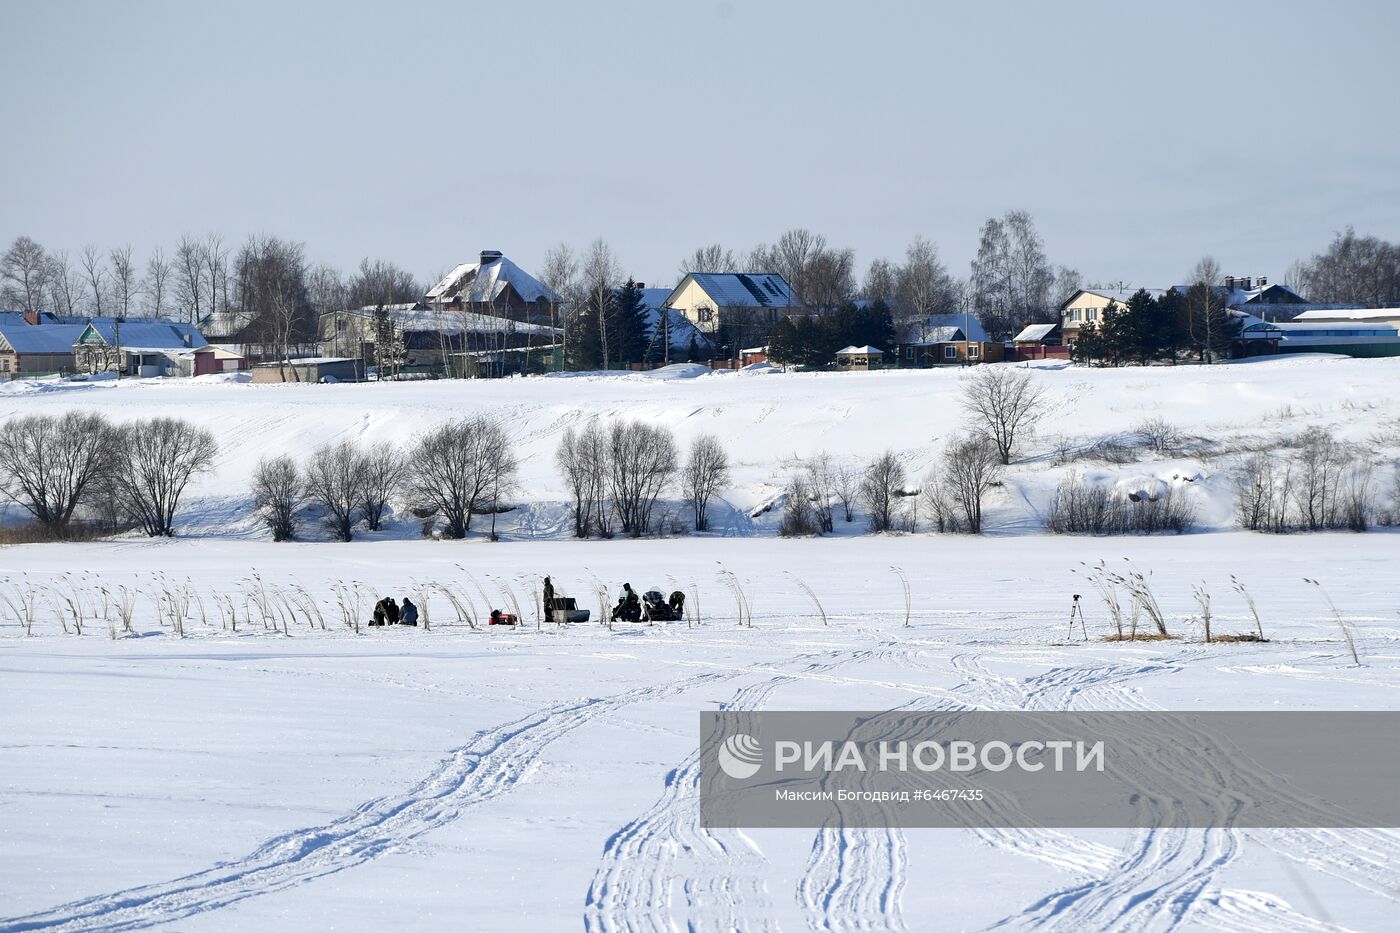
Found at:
<point>586,351</point>
<point>627,325</point>
<point>783,342</point>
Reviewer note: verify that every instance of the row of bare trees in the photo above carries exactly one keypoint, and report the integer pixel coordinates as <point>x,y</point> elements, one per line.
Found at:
<point>616,474</point>
<point>452,473</point>
<point>1320,484</point>
<point>63,468</point>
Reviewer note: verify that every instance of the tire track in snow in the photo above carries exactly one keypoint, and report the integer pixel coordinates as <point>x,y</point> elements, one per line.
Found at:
<point>720,872</point>
<point>492,764</point>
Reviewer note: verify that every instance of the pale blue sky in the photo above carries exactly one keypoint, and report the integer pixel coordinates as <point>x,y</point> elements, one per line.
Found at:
<point>1139,135</point>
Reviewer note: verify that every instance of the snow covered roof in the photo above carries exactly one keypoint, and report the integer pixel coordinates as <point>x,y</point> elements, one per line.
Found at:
<point>866,350</point>
<point>1318,315</point>
<point>149,335</point>
<point>41,338</point>
<point>744,289</point>
<point>1033,332</point>
<point>412,318</point>
<point>940,328</point>
<point>1120,295</point>
<point>485,282</point>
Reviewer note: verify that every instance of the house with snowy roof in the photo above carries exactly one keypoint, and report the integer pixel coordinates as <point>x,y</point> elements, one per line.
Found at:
<point>434,339</point>
<point>939,339</point>
<point>496,286</point>
<point>738,309</point>
<point>1087,305</point>
<point>671,336</point>
<point>138,347</point>
<point>36,349</point>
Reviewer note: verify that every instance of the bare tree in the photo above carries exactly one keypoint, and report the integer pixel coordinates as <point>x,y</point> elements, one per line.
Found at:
<point>379,282</point>
<point>822,480</point>
<point>600,277</point>
<point>158,458</point>
<point>451,469</point>
<point>189,277</point>
<point>578,476</point>
<point>335,480</point>
<point>214,255</point>
<point>711,258</point>
<point>706,472</point>
<point>65,284</point>
<point>881,282</point>
<point>48,464</point>
<point>1004,405</point>
<point>24,272</point>
<point>125,284</point>
<point>798,518</point>
<point>96,272</point>
<point>382,477</point>
<point>845,483</point>
<point>278,494</point>
<point>880,485</point>
<point>923,284</point>
<point>157,282</point>
<point>642,461</point>
<point>1011,281</point>
<point>970,466</point>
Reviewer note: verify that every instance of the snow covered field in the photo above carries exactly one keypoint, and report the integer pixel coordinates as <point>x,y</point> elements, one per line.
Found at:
<point>540,778</point>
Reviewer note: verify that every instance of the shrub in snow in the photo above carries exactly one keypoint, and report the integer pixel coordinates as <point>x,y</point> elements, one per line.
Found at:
<point>641,461</point>
<point>970,467</point>
<point>1087,508</point>
<point>334,481</point>
<point>381,480</point>
<point>799,519</point>
<point>880,484</point>
<point>1004,406</point>
<point>706,472</point>
<point>50,465</point>
<point>158,458</point>
<point>460,468</point>
<point>278,493</point>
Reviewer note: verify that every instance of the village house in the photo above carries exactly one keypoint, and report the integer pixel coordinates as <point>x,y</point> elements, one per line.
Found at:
<point>671,336</point>
<point>43,344</point>
<point>738,309</point>
<point>138,348</point>
<point>425,339</point>
<point>495,286</point>
<point>28,350</point>
<point>1087,305</point>
<point>941,339</point>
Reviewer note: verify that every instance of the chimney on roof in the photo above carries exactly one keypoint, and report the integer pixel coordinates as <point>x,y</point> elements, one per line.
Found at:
<point>1263,282</point>
<point>1247,286</point>
<point>1230,282</point>
<point>31,318</point>
<point>490,256</point>
<point>640,285</point>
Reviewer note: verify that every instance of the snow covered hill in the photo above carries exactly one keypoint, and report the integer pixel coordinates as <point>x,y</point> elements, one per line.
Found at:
<point>770,421</point>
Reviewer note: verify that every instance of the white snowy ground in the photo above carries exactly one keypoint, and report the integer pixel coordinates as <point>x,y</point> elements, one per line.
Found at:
<point>544,778</point>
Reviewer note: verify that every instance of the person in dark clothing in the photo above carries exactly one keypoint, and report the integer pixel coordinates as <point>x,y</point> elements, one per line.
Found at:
<point>386,612</point>
<point>408,614</point>
<point>548,596</point>
<point>629,607</point>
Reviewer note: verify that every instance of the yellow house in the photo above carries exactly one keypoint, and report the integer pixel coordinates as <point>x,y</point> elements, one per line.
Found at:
<point>743,306</point>
<point>1087,305</point>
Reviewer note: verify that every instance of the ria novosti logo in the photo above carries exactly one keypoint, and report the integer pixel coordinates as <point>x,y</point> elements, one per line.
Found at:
<point>740,756</point>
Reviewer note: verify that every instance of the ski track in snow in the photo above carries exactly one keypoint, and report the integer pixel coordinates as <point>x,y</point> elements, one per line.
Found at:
<point>720,872</point>
<point>493,763</point>
<point>854,878</point>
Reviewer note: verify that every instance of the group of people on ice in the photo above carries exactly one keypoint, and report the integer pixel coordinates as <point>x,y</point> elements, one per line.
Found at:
<point>388,612</point>
<point>650,606</point>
